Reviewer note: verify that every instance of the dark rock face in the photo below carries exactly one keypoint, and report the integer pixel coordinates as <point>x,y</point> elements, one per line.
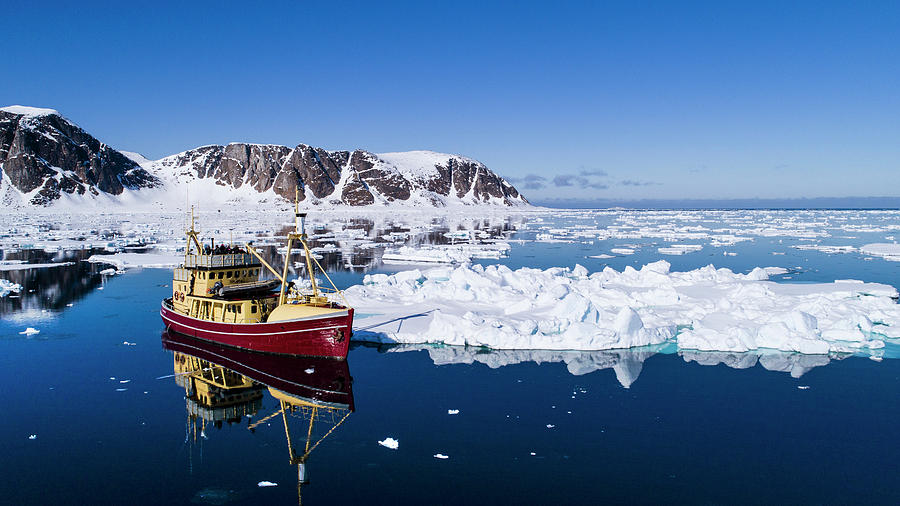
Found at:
<point>49,155</point>
<point>355,178</point>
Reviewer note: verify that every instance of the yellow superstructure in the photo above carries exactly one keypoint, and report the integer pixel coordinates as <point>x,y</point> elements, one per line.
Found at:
<point>222,284</point>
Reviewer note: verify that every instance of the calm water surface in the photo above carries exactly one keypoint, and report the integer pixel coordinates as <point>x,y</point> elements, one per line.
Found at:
<point>644,426</point>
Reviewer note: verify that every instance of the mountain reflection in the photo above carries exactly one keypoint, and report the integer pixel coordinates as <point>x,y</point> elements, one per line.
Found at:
<point>226,386</point>
<point>59,278</point>
<point>626,364</point>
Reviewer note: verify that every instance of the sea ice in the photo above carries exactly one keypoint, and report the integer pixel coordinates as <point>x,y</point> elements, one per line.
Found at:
<point>266,484</point>
<point>7,287</point>
<point>30,331</point>
<point>32,437</point>
<point>452,411</point>
<point>569,309</point>
<point>390,442</point>
<point>124,261</point>
<point>441,456</point>
<point>884,250</point>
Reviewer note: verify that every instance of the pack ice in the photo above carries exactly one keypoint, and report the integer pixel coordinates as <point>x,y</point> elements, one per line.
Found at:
<point>569,309</point>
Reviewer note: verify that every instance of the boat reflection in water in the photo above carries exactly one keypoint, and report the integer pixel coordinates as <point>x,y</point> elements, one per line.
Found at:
<point>225,385</point>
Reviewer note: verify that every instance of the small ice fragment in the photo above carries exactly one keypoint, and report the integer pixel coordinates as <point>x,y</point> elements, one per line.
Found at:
<point>533,453</point>
<point>452,411</point>
<point>121,389</point>
<point>875,358</point>
<point>440,456</point>
<point>124,381</point>
<point>33,436</point>
<point>310,370</point>
<point>550,426</point>
<point>803,387</point>
<point>112,378</point>
<point>99,288</point>
<point>390,442</point>
<point>69,304</point>
<point>126,343</point>
<point>266,484</point>
<point>30,331</point>
<point>568,412</point>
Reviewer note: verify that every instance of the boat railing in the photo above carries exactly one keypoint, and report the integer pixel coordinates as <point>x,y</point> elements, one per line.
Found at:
<point>212,261</point>
<point>306,296</point>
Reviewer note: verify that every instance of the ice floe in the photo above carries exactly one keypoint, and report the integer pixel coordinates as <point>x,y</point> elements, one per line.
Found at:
<point>130,260</point>
<point>441,456</point>
<point>390,443</point>
<point>7,287</point>
<point>265,483</point>
<point>30,331</point>
<point>568,309</point>
<point>887,251</point>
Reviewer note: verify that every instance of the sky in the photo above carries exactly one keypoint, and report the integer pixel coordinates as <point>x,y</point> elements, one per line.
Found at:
<point>568,100</point>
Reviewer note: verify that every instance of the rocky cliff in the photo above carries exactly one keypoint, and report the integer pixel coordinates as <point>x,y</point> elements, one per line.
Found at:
<point>355,178</point>
<point>43,156</point>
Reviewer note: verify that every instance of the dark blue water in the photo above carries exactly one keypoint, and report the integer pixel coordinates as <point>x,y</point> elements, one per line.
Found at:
<point>681,431</point>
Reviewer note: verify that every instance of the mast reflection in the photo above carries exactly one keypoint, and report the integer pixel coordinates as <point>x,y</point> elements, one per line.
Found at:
<point>225,385</point>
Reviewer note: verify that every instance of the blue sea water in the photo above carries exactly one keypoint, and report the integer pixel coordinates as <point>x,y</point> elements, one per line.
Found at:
<point>108,431</point>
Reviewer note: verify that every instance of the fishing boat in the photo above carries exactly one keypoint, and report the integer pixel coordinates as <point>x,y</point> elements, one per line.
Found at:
<point>218,295</point>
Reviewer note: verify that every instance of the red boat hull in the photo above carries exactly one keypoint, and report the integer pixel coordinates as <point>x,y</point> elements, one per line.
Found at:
<point>318,337</point>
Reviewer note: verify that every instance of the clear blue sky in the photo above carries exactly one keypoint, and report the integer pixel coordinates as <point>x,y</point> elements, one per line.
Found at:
<point>595,100</point>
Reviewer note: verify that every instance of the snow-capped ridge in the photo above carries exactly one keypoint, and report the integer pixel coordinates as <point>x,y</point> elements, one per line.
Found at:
<point>25,110</point>
<point>80,170</point>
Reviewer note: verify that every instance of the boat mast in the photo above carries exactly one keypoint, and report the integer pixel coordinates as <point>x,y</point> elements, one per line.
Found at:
<point>299,234</point>
<point>192,237</point>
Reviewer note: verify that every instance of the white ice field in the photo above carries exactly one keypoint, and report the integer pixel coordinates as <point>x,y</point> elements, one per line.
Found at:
<point>560,306</point>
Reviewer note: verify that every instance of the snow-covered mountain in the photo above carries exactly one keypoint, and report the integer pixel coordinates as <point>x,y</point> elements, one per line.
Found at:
<point>44,159</point>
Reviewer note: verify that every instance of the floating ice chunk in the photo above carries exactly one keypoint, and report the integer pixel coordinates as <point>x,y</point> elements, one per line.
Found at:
<point>310,370</point>
<point>32,437</point>
<point>622,251</point>
<point>7,287</point>
<point>266,484</point>
<point>803,387</point>
<point>550,426</point>
<point>884,250</point>
<point>121,389</point>
<point>452,411</point>
<point>30,331</point>
<point>441,456</point>
<point>390,443</point>
<point>126,343</point>
<point>601,256</point>
<point>679,249</point>
<point>124,381</point>
<point>130,260</point>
